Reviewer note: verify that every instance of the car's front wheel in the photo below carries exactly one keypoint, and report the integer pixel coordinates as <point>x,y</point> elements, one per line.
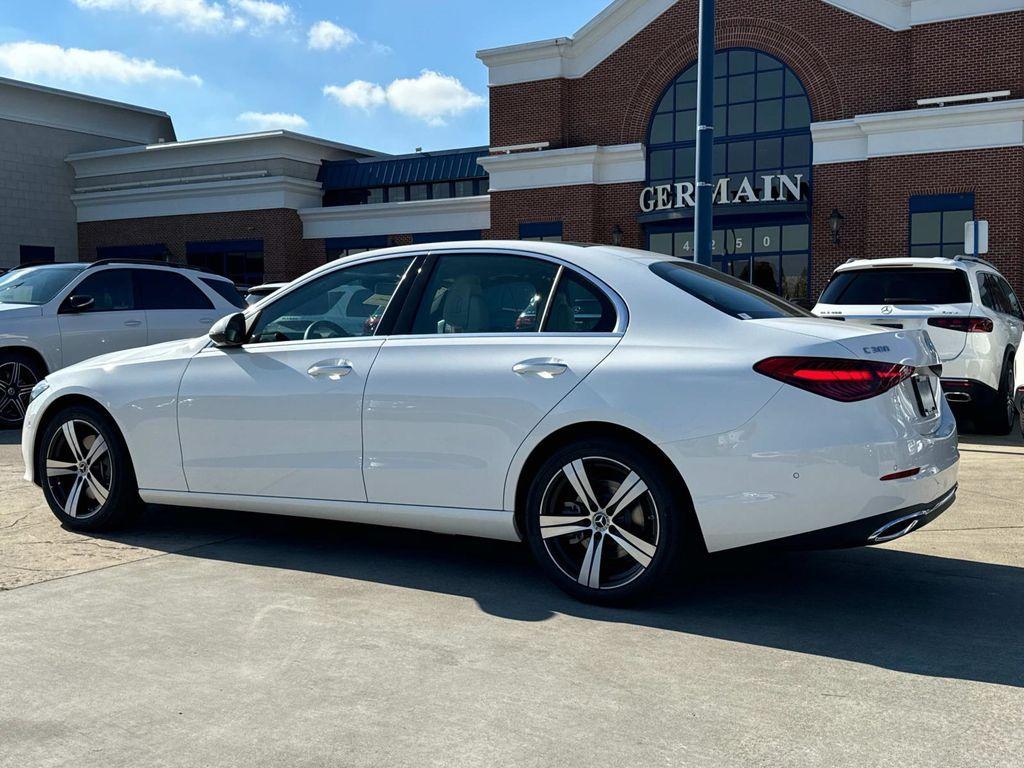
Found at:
<point>19,373</point>
<point>605,523</point>
<point>85,470</point>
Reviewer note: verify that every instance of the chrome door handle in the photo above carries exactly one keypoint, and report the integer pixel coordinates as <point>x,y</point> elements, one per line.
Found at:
<point>542,367</point>
<point>206,321</point>
<point>331,369</point>
<point>133,323</point>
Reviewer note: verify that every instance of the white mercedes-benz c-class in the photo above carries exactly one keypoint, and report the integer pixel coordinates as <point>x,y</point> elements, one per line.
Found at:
<point>618,410</point>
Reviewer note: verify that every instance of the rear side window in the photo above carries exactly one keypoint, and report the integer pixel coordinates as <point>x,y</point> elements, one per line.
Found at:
<point>226,291</point>
<point>725,293</point>
<point>1009,297</point>
<point>579,307</point>
<point>898,285</point>
<point>484,294</point>
<point>159,289</point>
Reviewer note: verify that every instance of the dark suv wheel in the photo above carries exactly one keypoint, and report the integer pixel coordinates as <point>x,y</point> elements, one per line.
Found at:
<point>18,374</point>
<point>604,522</point>
<point>998,415</point>
<point>85,470</point>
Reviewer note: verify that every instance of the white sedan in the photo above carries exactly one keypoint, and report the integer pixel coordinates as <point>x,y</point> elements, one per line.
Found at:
<point>618,410</point>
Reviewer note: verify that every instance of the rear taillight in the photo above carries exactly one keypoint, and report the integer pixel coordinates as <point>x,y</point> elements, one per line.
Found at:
<point>963,324</point>
<point>845,380</point>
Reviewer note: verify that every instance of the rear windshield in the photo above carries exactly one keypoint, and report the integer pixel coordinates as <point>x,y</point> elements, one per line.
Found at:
<point>724,292</point>
<point>227,291</point>
<point>898,285</point>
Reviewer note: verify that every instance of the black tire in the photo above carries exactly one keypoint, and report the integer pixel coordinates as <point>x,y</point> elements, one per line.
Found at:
<point>997,416</point>
<point>18,374</point>
<point>659,518</point>
<point>107,495</point>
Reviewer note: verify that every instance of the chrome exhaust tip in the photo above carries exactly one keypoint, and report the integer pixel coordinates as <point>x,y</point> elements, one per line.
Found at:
<point>958,397</point>
<point>897,528</point>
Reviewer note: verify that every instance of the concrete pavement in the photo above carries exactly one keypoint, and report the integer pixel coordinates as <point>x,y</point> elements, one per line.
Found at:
<point>206,638</point>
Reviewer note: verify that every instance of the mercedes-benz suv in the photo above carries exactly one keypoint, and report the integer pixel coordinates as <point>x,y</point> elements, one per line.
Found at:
<point>969,310</point>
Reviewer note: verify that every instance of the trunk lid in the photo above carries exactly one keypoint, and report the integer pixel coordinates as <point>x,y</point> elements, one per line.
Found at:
<point>949,344</point>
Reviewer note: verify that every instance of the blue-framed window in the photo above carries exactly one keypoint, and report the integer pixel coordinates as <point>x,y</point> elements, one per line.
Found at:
<point>241,261</point>
<point>35,254</point>
<point>339,247</point>
<point>401,193</point>
<point>440,237</point>
<point>762,123</point>
<point>157,251</point>
<point>937,224</point>
<point>541,231</point>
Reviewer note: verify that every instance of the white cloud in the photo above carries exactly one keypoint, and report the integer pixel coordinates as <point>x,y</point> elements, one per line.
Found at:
<point>326,35</point>
<point>359,94</point>
<point>203,15</point>
<point>266,121</point>
<point>431,97</point>
<point>31,60</point>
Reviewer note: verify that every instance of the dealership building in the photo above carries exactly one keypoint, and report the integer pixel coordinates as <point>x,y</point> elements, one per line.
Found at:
<point>844,128</point>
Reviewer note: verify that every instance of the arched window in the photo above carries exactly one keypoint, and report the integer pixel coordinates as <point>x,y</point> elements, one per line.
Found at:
<point>762,129</point>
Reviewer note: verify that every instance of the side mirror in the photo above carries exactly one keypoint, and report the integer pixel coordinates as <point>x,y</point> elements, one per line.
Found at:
<point>80,303</point>
<point>229,331</point>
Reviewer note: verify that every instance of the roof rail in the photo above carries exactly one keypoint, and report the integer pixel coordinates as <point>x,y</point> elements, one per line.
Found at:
<point>148,262</point>
<point>38,264</point>
<point>967,257</point>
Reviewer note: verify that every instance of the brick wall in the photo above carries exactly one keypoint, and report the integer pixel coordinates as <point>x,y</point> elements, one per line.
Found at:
<point>286,254</point>
<point>849,65</point>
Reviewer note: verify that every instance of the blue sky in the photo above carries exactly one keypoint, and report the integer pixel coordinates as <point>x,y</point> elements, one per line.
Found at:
<point>388,74</point>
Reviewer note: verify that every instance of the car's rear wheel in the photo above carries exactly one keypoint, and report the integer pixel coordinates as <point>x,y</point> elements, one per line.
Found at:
<point>85,470</point>
<point>19,373</point>
<point>605,523</point>
<point>998,416</point>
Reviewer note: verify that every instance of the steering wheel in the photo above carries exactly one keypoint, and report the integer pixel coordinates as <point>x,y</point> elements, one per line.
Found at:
<point>324,329</point>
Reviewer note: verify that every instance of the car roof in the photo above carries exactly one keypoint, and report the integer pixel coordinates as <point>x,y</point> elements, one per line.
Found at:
<point>924,262</point>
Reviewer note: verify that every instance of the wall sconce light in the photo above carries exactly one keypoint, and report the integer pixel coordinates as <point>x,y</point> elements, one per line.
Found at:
<point>617,235</point>
<point>835,225</point>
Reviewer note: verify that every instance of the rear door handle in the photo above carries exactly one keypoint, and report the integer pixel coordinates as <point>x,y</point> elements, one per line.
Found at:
<point>542,367</point>
<point>206,320</point>
<point>331,369</point>
<point>133,323</point>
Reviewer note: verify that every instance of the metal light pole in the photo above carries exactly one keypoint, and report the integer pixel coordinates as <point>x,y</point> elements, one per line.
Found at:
<point>705,132</point>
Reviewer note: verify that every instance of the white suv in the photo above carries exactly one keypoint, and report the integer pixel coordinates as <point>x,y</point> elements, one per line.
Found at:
<point>54,315</point>
<point>969,310</point>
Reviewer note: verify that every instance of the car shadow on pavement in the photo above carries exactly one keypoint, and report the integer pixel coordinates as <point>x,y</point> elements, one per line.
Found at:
<point>902,611</point>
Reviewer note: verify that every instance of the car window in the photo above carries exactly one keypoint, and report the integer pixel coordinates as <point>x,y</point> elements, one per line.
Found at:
<point>1009,297</point>
<point>112,290</point>
<point>470,293</point>
<point>226,290</point>
<point>35,286</point>
<point>897,285</point>
<point>579,307</point>
<point>987,291</point>
<point>343,303</point>
<point>162,289</point>
<point>725,293</point>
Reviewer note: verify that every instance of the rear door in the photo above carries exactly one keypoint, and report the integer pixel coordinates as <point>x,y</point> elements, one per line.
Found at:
<point>902,297</point>
<point>175,307</point>
<point>113,322</point>
<point>468,373</point>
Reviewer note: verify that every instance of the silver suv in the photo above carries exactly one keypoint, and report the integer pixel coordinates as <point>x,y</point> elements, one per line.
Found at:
<point>54,315</point>
<point>969,310</point>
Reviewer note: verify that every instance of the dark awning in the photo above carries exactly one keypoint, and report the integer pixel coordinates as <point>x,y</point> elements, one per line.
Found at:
<point>420,168</point>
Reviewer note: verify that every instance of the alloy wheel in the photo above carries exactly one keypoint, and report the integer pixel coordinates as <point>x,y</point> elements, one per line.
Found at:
<point>16,382</point>
<point>599,523</point>
<point>79,469</point>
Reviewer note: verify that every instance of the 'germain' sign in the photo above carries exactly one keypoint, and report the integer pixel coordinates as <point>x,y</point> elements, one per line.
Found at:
<point>776,188</point>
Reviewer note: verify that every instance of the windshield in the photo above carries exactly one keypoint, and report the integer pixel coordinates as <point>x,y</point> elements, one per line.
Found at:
<point>724,292</point>
<point>35,286</point>
<point>898,285</point>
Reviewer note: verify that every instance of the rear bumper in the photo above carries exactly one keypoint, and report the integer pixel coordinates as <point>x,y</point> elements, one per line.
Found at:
<point>960,392</point>
<point>879,529</point>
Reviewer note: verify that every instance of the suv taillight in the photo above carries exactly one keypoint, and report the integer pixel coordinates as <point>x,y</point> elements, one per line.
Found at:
<point>964,324</point>
<point>845,380</point>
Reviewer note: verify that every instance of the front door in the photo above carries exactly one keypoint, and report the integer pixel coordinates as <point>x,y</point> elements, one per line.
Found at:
<point>281,415</point>
<point>448,404</point>
<point>112,323</point>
